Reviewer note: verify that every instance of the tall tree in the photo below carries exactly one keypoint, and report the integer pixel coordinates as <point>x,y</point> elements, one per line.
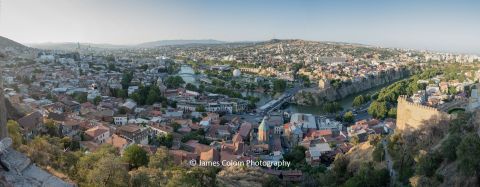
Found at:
<point>135,156</point>
<point>378,109</point>
<point>279,85</point>
<point>161,159</point>
<point>467,153</point>
<point>108,171</point>
<point>348,117</point>
<point>358,101</point>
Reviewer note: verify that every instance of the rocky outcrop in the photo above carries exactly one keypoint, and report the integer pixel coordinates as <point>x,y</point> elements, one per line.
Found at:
<point>241,176</point>
<point>317,97</point>
<point>3,113</point>
<point>22,172</point>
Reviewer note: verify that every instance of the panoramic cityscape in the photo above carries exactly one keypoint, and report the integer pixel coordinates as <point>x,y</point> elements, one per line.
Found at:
<point>214,93</point>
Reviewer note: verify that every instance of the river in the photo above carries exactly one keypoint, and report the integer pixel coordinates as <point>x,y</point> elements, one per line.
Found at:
<point>346,103</point>
<point>187,74</point>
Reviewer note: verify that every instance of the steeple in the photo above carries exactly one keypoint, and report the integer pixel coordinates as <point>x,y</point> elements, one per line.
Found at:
<point>263,131</point>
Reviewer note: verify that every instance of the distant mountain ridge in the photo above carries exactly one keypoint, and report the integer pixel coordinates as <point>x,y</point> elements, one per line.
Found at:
<point>178,42</point>
<point>159,43</point>
<point>74,46</point>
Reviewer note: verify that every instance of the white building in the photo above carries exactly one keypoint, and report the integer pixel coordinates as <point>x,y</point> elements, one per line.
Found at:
<point>120,120</point>
<point>132,89</point>
<point>99,134</point>
<point>304,121</point>
<point>324,123</point>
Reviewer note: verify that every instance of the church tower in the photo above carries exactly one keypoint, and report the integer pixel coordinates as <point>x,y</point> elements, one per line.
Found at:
<point>263,131</point>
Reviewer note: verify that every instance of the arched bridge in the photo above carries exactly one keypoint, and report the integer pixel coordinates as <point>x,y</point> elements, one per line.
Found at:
<point>455,104</point>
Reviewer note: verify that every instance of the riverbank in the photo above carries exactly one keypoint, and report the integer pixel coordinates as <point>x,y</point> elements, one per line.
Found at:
<point>317,97</point>
<point>346,103</point>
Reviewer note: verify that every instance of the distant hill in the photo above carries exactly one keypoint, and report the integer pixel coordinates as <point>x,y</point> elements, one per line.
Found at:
<point>6,43</point>
<point>177,42</point>
<point>69,46</point>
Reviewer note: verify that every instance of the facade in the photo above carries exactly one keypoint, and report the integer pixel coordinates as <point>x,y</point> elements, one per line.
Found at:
<point>324,123</point>
<point>98,134</point>
<point>134,133</point>
<point>120,120</point>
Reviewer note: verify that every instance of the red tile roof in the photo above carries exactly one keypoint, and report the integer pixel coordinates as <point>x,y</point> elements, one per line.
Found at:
<point>97,131</point>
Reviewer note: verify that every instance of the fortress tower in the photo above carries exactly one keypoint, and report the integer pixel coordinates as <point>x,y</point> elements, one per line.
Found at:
<point>412,116</point>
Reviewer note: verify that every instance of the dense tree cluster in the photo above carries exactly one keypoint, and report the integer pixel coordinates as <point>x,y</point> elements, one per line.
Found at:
<point>174,81</point>
<point>148,95</point>
<point>135,156</point>
<point>386,99</point>
<point>279,85</point>
<point>196,135</point>
<point>349,117</point>
<point>378,109</point>
<point>341,174</point>
<point>360,100</point>
<point>162,140</point>
<point>126,79</point>
<point>107,168</point>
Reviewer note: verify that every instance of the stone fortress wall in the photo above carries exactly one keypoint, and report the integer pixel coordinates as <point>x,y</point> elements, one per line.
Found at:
<point>412,116</point>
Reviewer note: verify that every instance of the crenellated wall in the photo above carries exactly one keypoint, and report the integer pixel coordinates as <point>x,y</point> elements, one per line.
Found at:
<point>411,116</point>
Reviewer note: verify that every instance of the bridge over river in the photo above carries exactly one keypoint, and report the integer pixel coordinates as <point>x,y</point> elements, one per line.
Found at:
<point>454,104</point>
<point>276,103</point>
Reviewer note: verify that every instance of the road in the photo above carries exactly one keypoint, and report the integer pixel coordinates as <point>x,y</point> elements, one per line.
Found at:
<point>389,161</point>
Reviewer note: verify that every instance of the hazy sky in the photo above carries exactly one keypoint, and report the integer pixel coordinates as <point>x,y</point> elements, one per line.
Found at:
<point>437,25</point>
